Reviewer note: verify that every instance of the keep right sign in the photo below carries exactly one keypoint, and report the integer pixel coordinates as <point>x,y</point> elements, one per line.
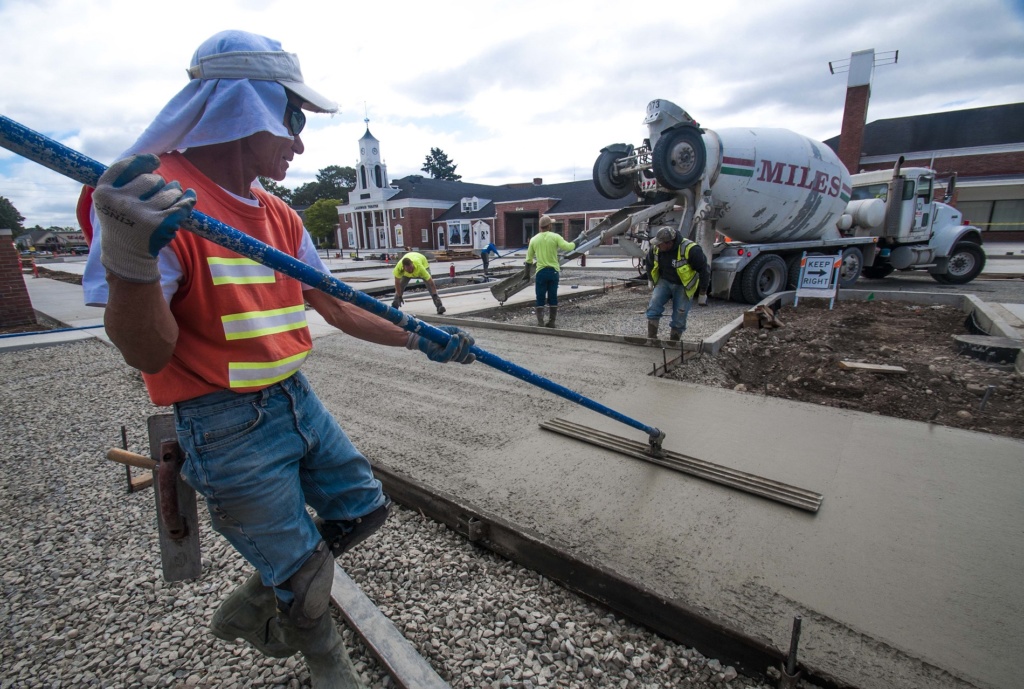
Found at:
<point>819,276</point>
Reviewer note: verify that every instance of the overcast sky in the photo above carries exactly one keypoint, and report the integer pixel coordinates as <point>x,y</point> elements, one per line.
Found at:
<point>509,90</point>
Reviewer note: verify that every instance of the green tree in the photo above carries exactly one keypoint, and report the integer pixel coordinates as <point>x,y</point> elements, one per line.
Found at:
<point>332,182</point>
<point>322,218</point>
<point>279,190</point>
<point>438,166</point>
<point>10,218</point>
<point>306,194</point>
<point>336,182</point>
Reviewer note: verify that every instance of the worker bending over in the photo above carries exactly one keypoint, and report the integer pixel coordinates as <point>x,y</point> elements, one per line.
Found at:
<point>414,265</point>
<point>676,265</point>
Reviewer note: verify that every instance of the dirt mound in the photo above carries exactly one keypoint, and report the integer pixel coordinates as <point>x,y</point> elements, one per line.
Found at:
<point>909,369</point>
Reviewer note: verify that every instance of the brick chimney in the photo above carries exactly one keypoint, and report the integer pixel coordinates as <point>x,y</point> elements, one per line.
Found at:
<point>855,113</point>
<point>537,181</point>
<point>15,305</point>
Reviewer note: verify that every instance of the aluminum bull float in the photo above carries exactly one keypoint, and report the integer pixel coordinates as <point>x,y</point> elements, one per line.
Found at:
<point>72,164</point>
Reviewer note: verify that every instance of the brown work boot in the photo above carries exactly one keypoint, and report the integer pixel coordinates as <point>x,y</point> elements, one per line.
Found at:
<point>250,613</point>
<point>438,304</point>
<point>652,330</point>
<point>552,313</point>
<point>675,335</point>
<point>540,316</point>
<point>330,666</point>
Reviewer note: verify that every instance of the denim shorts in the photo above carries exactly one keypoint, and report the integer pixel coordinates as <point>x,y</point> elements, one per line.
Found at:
<point>259,458</point>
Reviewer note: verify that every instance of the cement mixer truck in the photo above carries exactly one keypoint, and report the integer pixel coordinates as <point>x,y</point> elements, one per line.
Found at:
<point>758,199</point>
<point>769,195</point>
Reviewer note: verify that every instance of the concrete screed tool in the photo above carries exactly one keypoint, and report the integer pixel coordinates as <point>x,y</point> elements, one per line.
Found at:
<point>70,163</point>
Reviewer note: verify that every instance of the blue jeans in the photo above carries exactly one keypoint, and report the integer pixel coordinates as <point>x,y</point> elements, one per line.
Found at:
<point>546,283</point>
<point>259,458</point>
<point>663,291</point>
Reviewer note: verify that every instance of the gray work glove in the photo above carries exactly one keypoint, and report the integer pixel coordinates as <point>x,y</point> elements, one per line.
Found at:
<point>457,349</point>
<point>139,215</point>
<point>702,299</point>
<point>397,302</point>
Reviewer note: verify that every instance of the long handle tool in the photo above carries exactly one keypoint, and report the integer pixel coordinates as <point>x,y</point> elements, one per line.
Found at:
<point>70,163</point>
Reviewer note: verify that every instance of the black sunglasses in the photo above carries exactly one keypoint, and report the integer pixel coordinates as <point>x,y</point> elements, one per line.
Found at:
<point>295,119</point>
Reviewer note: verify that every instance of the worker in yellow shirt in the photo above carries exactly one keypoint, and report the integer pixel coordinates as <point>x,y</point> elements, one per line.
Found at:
<point>414,265</point>
<point>543,251</point>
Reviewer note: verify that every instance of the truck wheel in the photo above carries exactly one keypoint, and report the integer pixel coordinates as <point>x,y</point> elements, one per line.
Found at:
<point>966,262</point>
<point>877,272</point>
<point>849,271</point>
<point>765,276</point>
<point>609,184</point>
<point>679,158</point>
<point>793,271</point>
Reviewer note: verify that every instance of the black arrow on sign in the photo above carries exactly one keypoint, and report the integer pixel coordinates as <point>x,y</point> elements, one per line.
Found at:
<point>816,272</point>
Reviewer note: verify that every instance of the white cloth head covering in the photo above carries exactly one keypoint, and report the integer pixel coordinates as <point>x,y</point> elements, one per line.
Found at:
<point>237,88</point>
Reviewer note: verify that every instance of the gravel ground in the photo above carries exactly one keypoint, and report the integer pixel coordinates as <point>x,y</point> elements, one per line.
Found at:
<point>85,604</point>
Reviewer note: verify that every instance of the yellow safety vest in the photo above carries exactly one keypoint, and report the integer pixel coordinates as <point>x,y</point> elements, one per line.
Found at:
<point>687,275</point>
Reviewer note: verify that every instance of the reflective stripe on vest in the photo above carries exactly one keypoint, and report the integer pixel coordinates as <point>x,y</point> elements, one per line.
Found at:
<point>239,326</point>
<point>250,374</point>
<point>238,271</point>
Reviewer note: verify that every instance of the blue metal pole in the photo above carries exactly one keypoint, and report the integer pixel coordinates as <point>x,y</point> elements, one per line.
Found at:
<point>72,164</point>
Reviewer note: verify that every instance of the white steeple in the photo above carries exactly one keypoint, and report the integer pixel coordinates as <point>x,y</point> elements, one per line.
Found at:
<point>372,173</point>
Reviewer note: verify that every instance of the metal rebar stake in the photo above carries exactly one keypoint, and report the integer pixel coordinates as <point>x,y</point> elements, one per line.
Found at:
<point>790,675</point>
<point>984,400</point>
<point>124,446</point>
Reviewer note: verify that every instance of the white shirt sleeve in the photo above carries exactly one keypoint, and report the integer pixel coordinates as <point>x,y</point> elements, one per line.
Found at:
<point>309,255</point>
<point>94,279</point>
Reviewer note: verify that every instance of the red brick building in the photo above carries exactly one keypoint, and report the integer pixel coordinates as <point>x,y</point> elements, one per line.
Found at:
<point>424,214</point>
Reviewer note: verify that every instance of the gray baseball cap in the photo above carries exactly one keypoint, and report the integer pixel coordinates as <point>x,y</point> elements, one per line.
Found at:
<point>243,55</point>
<point>664,234</point>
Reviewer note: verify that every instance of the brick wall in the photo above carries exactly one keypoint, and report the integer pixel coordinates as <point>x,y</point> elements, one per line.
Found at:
<point>418,219</point>
<point>508,227</point>
<point>15,305</point>
<point>851,135</point>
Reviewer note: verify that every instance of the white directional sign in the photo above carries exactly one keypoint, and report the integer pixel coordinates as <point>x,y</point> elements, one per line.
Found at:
<point>817,273</point>
<point>819,277</point>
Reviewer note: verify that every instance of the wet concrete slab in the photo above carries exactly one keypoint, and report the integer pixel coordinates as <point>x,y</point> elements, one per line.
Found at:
<point>907,576</point>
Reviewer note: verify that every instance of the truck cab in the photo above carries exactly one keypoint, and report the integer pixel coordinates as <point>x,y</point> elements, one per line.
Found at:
<point>918,232</point>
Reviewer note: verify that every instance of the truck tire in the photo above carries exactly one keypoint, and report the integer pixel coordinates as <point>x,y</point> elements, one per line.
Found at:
<point>877,272</point>
<point>765,276</point>
<point>679,158</point>
<point>735,290</point>
<point>853,264</point>
<point>966,261</point>
<point>608,183</point>
<point>793,271</point>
